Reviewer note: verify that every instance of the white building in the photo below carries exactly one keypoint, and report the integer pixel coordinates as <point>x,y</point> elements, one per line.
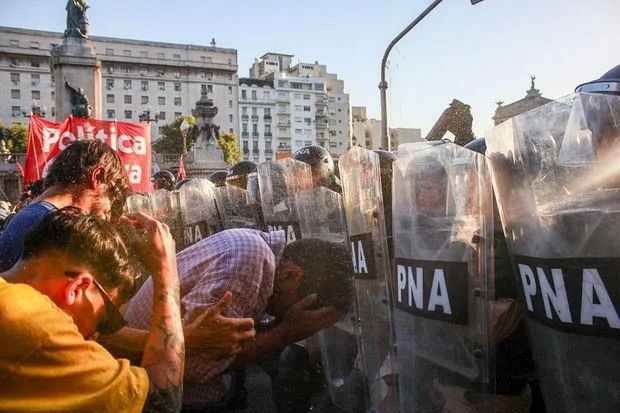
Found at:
<point>309,106</point>
<point>137,75</point>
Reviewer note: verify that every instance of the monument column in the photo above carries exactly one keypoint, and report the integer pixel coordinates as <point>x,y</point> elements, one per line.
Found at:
<point>75,62</point>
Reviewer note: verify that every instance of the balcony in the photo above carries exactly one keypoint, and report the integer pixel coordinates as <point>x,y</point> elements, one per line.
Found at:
<point>284,123</point>
<point>320,102</point>
<point>245,117</point>
<point>268,134</point>
<point>268,150</point>
<point>255,135</point>
<point>283,148</point>
<point>255,151</point>
<point>245,134</point>
<point>322,125</point>
<point>246,151</point>
<point>283,99</point>
<point>254,118</point>
<point>267,117</point>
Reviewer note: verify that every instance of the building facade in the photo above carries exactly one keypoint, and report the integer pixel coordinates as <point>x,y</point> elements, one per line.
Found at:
<point>367,132</point>
<point>163,79</point>
<point>284,107</point>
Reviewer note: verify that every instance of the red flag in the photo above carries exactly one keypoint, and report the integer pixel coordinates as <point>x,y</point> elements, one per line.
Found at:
<point>181,174</point>
<point>20,168</point>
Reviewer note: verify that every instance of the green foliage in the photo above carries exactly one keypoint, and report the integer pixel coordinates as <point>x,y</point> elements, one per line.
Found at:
<point>230,146</point>
<point>171,140</point>
<point>16,137</point>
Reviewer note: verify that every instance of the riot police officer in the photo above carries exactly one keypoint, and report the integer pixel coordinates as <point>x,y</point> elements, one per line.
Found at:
<point>218,178</point>
<point>238,173</point>
<point>164,180</point>
<point>322,164</point>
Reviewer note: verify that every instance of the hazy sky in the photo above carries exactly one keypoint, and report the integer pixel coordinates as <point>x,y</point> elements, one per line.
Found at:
<point>478,54</point>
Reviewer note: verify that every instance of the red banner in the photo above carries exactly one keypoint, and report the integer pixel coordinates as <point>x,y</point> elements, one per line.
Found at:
<point>132,142</point>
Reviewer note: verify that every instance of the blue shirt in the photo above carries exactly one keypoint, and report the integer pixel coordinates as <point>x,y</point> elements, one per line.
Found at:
<point>12,237</point>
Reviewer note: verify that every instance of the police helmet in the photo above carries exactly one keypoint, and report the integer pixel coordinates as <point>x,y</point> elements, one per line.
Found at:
<point>181,183</point>
<point>609,83</point>
<point>477,145</point>
<point>218,178</point>
<point>320,161</point>
<point>164,180</point>
<point>238,173</point>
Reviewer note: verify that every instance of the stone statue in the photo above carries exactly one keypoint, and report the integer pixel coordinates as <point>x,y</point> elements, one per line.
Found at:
<point>532,78</point>
<point>77,23</point>
<point>206,131</point>
<point>79,102</point>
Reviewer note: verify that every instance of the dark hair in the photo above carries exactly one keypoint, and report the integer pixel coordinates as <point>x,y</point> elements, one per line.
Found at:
<point>328,271</point>
<point>36,188</point>
<point>89,241</point>
<point>75,164</point>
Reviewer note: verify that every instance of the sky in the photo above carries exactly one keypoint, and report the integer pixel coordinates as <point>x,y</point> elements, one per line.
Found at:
<point>478,54</point>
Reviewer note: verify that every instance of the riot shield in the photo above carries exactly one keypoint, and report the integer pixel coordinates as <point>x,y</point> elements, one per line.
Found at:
<point>556,177</point>
<point>405,149</point>
<point>139,202</point>
<point>198,212</point>
<point>363,204</point>
<point>234,209</point>
<point>443,289</point>
<point>166,209</point>
<point>321,216</point>
<point>279,181</point>
<point>254,202</point>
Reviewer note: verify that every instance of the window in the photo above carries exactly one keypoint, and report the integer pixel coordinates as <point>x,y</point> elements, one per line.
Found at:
<point>177,87</point>
<point>127,114</point>
<point>230,90</point>
<point>297,108</point>
<point>53,112</point>
<point>253,95</point>
<point>144,72</point>
<point>14,62</point>
<point>128,69</point>
<point>144,85</point>
<point>177,75</point>
<point>162,115</point>
<point>210,75</point>
<point>244,127</point>
<point>306,96</point>
<point>244,94</point>
<point>16,111</point>
<point>52,94</point>
<point>230,76</point>
<point>144,54</point>
<point>16,94</point>
<point>15,78</point>
<point>127,99</point>
<point>308,121</point>
<point>144,100</point>
<point>36,94</point>
<point>176,56</point>
<point>177,101</point>
<point>110,114</point>
<point>161,130</point>
<point>255,128</point>
<point>210,88</point>
<point>161,100</point>
<point>202,75</point>
<point>35,79</point>
<point>307,109</point>
<point>160,55</point>
<point>319,86</point>
<point>203,58</point>
<point>13,43</point>
<point>109,98</point>
<point>127,84</point>
<point>244,110</point>
<point>266,94</point>
<point>109,52</point>
<point>267,128</point>
<point>296,95</point>
<point>34,45</point>
<point>161,85</point>
<point>230,118</point>
<point>254,111</point>
<point>126,52</point>
<point>230,104</point>
<point>267,111</point>
<point>177,115</point>
<point>109,84</point>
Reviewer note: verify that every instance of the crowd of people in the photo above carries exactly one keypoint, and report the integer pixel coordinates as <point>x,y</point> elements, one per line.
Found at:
<point>101,311</point>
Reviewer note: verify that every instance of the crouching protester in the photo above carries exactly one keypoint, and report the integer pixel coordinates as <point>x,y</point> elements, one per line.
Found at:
<point>305,286</point>
<point>74,273</point>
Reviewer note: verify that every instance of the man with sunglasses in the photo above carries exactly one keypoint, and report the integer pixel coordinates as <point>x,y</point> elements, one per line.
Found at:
<point>74,273</point>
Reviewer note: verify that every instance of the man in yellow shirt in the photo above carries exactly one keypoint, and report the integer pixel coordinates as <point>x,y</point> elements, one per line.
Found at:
<point>74,272</point>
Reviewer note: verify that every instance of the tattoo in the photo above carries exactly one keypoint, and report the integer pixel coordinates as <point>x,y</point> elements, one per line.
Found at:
<point>164,399</point>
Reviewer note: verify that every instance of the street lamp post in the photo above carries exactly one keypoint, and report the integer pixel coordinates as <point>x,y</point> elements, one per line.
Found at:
<point>385,137</point>
<point>184,127</point>
<point>145,116</point>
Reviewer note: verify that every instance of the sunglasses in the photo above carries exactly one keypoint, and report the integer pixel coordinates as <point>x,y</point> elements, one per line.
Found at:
<point>114,320</point>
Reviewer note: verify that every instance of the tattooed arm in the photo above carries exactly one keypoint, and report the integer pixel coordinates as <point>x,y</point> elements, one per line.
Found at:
<point>164,353</point>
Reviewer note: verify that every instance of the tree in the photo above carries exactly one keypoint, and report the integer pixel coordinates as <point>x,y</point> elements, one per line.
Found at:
<point>228,143</point>
<point>16,137</point>
<point>171,140</point>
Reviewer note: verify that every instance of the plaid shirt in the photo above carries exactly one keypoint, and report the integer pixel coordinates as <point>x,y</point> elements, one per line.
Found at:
<point>242,261</point>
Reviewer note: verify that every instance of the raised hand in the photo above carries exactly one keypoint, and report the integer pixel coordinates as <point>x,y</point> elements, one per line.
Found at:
<point>300,322</point>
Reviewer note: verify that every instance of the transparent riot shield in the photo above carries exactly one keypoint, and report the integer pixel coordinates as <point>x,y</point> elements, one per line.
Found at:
<point>557,183</point>
<point>233,207</point>
<point>443,289</point>
<point>405,149</point>
<point>166,209</point>
<point>279,181</point>
<point>139,202</point>
<point>253,200</point>
<point>361,181</point>
<point>321,216</point>
<point>198,212</point>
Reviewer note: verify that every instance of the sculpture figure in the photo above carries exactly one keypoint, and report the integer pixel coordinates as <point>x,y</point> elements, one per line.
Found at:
<point>204,113</point>
<point>458,120</point>
<point>77,22</point>
<point>80,107</point>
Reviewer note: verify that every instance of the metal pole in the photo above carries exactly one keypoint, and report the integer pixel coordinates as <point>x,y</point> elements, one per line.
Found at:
<point>385,138</point>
